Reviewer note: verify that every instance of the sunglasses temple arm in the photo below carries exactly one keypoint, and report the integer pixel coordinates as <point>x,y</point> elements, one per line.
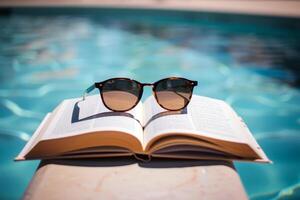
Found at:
<point>88,90</point>
<point>195,83</point>
<point>185,99</point>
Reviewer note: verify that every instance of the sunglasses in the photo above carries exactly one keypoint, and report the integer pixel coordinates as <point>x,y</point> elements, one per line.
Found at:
<point>123,94</point>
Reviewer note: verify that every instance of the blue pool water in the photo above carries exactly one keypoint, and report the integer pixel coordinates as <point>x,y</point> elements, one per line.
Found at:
<point>47,55</point>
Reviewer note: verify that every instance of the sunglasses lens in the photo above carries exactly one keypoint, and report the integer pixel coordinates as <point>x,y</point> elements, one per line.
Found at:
<point>120,94</point>
<point>173,93</point>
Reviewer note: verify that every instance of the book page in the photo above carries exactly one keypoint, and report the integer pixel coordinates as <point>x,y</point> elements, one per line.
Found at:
<point>77,117</point>
<point>203,116</point>
<point>33,139</point>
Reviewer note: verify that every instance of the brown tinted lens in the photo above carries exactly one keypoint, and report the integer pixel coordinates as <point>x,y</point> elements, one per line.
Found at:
<point>173,94</point>
<point>120,94</point>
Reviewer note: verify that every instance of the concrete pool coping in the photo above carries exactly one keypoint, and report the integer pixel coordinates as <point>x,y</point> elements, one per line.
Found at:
<point>124,178</point>
<point>288,8</point>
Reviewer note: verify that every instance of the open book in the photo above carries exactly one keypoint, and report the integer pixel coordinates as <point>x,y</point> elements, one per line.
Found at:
<point>206,129</point>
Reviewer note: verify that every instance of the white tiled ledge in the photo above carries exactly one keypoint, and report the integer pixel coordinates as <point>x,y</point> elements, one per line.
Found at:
<point>288,8</point>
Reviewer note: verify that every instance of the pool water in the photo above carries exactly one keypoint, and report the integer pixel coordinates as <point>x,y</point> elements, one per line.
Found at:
<point>47,55</point>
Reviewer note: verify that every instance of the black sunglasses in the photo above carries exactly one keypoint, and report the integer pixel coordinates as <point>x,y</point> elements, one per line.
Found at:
<point>123,94</point>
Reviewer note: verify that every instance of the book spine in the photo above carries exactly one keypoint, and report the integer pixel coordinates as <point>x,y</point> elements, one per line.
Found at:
<point>142,157</point>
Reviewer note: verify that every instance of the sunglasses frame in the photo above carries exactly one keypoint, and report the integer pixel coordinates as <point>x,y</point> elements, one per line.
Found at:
<point>99,85</point>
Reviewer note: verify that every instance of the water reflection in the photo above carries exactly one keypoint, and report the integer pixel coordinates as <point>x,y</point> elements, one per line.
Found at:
<point>275,56</point>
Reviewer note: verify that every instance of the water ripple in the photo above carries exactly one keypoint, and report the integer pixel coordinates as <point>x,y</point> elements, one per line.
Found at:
<point>38,92</point>
<point>17,110</point>
<point>291,192</point>
<point>284,134</point>
<point>15,133</point>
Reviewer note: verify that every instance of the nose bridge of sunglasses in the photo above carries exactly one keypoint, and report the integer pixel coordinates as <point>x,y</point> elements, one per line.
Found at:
<point>146,90</point>
<point>147,84</point>
<point>151,85</point>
